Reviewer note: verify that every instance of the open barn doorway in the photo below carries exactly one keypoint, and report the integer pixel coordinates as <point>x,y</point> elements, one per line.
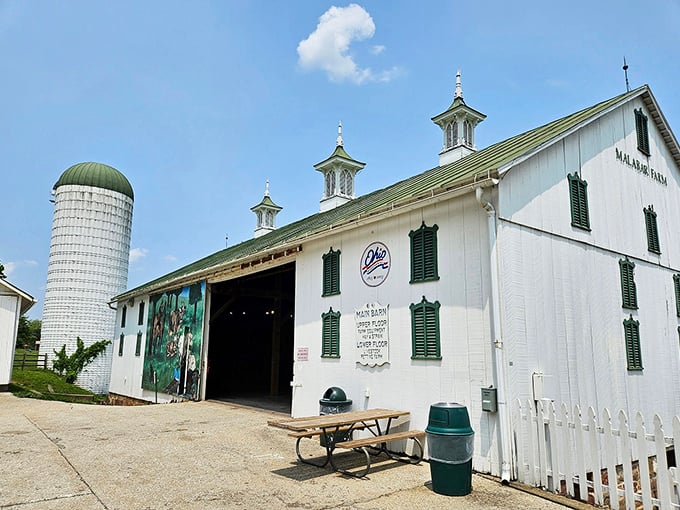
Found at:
<point>250,349</point>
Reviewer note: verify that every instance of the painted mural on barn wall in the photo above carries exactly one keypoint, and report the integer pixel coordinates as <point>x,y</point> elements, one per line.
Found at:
<point>172,359</point>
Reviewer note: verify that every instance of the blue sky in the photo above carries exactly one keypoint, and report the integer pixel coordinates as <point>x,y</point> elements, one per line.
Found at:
<point>199,103</point>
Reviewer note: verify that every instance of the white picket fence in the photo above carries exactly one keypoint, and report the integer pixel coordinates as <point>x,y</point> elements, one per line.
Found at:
<point>613,464</point>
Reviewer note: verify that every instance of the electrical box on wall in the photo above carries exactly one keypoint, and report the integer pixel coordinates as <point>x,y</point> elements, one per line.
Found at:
<point>537,379</point>
<point>489,400</point>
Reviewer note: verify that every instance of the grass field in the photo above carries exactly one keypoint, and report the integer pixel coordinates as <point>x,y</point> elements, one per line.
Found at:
<point>34,382</point>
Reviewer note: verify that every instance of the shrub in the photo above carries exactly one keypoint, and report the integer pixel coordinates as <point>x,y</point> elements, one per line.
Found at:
<point>71,366</point>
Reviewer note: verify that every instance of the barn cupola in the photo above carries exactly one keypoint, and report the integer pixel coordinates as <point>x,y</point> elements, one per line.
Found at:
<point>458,127</point>
<point>265,211</point>
<point>338,172</point>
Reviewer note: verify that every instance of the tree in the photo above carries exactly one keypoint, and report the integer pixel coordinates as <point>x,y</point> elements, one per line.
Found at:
<point>28,332</point>
<point>71,366</point>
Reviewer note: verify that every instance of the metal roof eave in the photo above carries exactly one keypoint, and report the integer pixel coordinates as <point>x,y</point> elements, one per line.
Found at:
<point>484,180</point>
<point>564,134</point>
<point>662,125</point>
<point>26,300</point>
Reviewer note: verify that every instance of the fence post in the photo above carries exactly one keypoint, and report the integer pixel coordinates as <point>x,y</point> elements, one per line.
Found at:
<point>627,460</point>
<point>23,360</point>
<point>609,444</point>
<point>542,443</point>
<point>663,489</point>
<point>594,456</point>
<point>553,438</point>
<point>568,450</point>
<point>533,445</point>
<point>643,460</point>
<point>580,454</point>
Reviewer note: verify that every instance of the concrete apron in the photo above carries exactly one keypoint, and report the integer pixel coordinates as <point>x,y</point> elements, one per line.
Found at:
<point>202,455</point>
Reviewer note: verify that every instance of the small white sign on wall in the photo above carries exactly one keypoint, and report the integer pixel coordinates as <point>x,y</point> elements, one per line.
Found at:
<point>302,354</point>
<point>372,334</point>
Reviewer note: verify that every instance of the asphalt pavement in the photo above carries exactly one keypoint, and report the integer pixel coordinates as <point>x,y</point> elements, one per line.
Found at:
<point>199,455</point>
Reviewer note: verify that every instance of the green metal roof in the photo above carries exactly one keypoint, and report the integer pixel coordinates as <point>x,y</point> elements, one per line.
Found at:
<point>458,105</point>
<point>472,168</point>
<point>98,175</point>
<point>340,152</point>
<point>267,202</point>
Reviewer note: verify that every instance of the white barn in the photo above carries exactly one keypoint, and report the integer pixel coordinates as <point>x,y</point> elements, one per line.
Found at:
<point>14,302</point>
<point>544,266</point>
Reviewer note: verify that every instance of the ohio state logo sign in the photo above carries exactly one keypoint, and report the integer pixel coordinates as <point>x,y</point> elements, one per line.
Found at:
<point>375,264</point>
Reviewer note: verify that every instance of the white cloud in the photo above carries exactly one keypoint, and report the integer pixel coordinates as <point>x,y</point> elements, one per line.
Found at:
<point>377,49</point>
<point>170,258</point>
<point>12,267</point>
<point>327,48</point>
<point>137,254</point>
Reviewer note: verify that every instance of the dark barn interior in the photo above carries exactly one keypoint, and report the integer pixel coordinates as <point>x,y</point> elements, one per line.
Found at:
<point>250,350</point>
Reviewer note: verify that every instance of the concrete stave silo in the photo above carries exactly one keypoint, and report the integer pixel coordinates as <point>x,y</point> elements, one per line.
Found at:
<point>88,263</point>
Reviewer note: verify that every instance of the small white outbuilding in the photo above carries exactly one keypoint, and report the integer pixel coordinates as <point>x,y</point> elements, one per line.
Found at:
<point>13,304</point>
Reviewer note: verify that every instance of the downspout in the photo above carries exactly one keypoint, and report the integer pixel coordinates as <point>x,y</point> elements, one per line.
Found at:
<point>499,352</point>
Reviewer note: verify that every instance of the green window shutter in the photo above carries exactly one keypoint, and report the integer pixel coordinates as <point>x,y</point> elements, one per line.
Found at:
<point>123,316</point>
<point>424,265</point>
<point>425,330</point>
<point>628,288</point>
<point>642,130</point>
<point>138,345</point>
<point>578,197</point>
<point>652,230</point>
<point>631,329</point>
<point>676,286</point>
<point>140,318</point>
<point>330,336</point>
<point>331,273</point>
<point>120,344</point>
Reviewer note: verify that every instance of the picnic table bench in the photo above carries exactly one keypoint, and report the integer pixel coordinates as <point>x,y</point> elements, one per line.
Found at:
<point>334,426</point>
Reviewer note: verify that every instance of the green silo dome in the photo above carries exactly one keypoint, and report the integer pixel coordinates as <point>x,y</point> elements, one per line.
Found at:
<point>98,175</point>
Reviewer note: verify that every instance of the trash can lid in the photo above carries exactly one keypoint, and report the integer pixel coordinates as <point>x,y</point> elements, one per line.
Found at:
<point>334,394</point>
<point>449,418</point>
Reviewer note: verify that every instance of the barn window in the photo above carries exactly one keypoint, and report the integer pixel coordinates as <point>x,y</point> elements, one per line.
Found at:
<point>330,335</point>
<point>140,318</point>
<point>424,254</point>
<point>467,134</point>
<point>425,330</point>
<point>120,344</point>
<point>123,316</point>
<point>578,197</point>
<point>642,132</point>
<point>451,134</point>
<point>331,273</point>
<point>346,183</point>
<point>652,230</point>
<point>330,184</point>
<point>631,329</point>
<point>628,288</point>
<point>138,345</point>
<point>676,286</point>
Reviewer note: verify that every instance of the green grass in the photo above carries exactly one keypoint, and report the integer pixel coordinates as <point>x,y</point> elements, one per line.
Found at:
<point>36,383</point>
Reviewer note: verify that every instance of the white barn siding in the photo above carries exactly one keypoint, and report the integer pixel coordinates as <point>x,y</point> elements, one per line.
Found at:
<point>561,291</point>
<point>413,385</point>
<point>9,319</point>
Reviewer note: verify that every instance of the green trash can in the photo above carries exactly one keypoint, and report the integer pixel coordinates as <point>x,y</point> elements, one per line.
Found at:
<point>334,401</point>
<point>450,444</point>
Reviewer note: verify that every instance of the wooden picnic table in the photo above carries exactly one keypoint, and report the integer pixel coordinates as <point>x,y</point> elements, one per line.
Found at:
<point>336,428</point>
